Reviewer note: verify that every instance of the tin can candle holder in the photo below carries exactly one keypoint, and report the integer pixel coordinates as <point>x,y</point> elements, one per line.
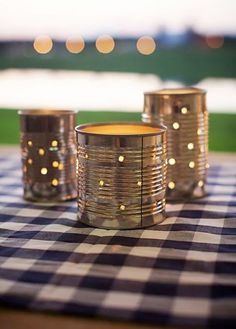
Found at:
<point>121,174</point>
<point>48,151</point>
<point>183,111</point>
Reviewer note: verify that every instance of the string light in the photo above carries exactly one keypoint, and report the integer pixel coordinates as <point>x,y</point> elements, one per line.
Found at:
<point>43,44</point>
<point>75,45</point>
<point>146,45</point>
<point>215,42</point>
<point>105,44</point>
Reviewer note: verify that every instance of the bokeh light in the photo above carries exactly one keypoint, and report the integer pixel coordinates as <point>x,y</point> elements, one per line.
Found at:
<point>75,45</point>
<point>43,44</point>
<point>146,45</point>
<point>105,44</point>
<point>215,42</point>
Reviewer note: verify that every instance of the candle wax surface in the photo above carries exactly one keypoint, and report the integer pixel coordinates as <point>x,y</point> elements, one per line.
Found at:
<point>121,130</point>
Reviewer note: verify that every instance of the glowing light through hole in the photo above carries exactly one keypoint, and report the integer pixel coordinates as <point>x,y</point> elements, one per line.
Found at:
<point>121,158</point>
<point>191,164</point>
<point>184,110</point>
<point>55,182</point>
<point>101,183</point>
<point>190,146</point>
<point>171,185</point>
<point>176,125</point>
<point>41,151</point>
<point>172,161</point>
<point>122,207</point>
<point>200,183</point>
<point>44,171</point>
<point>54,143</point>
<point>55,164</point>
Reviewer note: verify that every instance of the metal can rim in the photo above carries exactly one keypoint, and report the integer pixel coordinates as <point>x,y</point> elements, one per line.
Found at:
<point>161,128</point>
<point>176,92</point>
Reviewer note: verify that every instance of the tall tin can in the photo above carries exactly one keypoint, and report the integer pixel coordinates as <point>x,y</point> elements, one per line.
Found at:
<point>183,111</point>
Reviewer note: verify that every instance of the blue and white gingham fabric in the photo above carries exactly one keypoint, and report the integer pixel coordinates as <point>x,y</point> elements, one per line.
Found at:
<point>181,272</point>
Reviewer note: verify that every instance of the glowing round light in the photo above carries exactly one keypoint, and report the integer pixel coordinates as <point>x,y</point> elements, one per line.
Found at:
<point>43,44</point>
<point>215,42</point>
<point>55,182</point>
<point>54,143</point>
<point>105,44</point>
<point>75,45</point>
<point>44,171</point>
<point>191,164</point>
<point>86,156</point>
<point>200,183</point>
<point>171,185</point>
<point>41,151</point>
<point>30,161</point>
<point>184,110</point>
<point>199,131</point>
<point>61,166</point>
<point>122,207</point>
<point>139,183</point>
<point>30,143</point>
<point>175,125</point>
<point>207,166</point>
<point>190,146</point>
<point>55,164</point>
<point>172,161</point>
<point>101,183</point>
<point>146,45</point>
<point>121,158</point>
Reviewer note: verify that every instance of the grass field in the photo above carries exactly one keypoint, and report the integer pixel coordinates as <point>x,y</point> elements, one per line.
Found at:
<point>189,63</point>
<point>222,132</point>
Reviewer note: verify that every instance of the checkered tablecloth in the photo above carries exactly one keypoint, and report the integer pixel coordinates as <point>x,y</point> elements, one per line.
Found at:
<point>181,272</point>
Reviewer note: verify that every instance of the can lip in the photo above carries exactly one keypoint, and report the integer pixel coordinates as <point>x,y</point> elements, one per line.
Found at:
<point>176,91</point>
<point>81,129</point>
<point>47,111</point>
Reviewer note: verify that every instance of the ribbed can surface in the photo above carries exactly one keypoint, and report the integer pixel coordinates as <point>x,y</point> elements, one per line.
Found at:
<point>121,178</point>
<point>183,111</point>
<point>48,154</point>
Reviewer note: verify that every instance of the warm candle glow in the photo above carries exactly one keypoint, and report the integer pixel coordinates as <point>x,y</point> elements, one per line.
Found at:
<point>117,129</point>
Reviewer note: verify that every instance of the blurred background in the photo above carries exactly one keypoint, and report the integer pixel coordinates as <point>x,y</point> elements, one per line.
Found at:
<point>100,56</point>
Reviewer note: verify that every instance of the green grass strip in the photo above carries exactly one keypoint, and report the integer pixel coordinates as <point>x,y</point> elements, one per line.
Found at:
<point>222,131</point>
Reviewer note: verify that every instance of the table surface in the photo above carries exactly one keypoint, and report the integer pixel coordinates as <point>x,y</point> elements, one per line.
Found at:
<point>181,272</point>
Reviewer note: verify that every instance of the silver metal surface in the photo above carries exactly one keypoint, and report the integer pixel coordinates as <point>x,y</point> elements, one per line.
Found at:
<point>184,112</point>
<point>121,178</point>
<point>48,155</point>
